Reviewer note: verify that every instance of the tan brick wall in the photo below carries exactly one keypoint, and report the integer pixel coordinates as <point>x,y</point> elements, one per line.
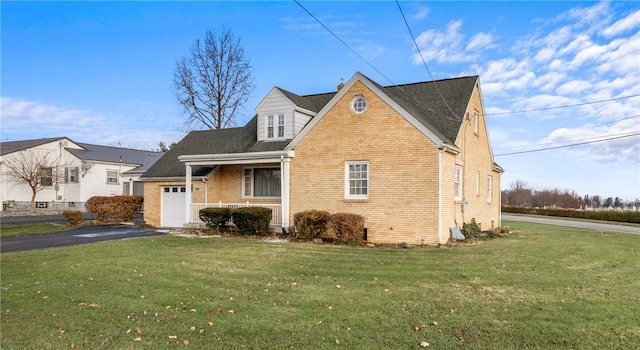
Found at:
<point>225,184</point>
<point>402,204</point>
<point>477,166</point>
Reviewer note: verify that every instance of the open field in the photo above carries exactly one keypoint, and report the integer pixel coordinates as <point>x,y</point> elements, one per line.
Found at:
<point>542,287</point>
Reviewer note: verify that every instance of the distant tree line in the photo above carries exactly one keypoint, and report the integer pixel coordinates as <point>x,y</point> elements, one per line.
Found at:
<point>519,194</point>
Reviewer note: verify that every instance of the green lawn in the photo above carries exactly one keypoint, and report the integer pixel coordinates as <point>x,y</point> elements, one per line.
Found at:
<point>540,288</point>
<point>15,230</point>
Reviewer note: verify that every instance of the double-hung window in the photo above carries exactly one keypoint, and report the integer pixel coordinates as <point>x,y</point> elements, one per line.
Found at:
<point>489,188</point>
<point>281,126</point>
<point>457,183</point>
<point>270,126</point>
<point>112,177</point>
<point>46,177</point>
<point>356,180</point>
<point>261,182</point>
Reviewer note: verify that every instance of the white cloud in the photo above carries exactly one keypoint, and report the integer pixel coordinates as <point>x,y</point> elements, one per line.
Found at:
<point>420,14</point>
<point>628,23</point>
<point>448,46</point>
<point>480,41</point>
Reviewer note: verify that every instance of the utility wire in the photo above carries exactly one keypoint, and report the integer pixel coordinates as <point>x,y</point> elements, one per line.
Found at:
<point>424,62</point>
<point>585,127</point>
<point>345,44</point>
<point>566,106</point>
<point>570,145</point>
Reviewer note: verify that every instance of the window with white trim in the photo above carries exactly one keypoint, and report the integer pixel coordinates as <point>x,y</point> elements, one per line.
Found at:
<point>112,177</point>
<point>359,104</point>
<point>457,181</point>
<point>475,122</point>
<point>489,188</point>
<point>281,125</point>
<point>477,183</point>
<point>270,126</point>
<point>356,180</point>
<point>261,182</point>
<point>46,177</point>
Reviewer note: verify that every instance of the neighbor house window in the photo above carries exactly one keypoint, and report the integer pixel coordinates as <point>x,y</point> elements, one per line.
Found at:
<point>261,182</point>
<point>71,175</point>
<point>457,182</point>
<point>489,187</point>
<point>357,180</point>
<point>112,177</point>
<point>270,126</point>
<point>46,176</point>
<point>281,125</point>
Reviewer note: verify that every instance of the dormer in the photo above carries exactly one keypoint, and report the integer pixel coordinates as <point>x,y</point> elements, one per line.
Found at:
<point>281,115</point>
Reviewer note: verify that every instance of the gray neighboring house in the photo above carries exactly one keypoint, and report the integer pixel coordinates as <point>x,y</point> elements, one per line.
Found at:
<point>85,170</point>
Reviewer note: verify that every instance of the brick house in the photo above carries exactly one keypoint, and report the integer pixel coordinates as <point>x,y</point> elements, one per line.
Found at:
<point>415,160</point>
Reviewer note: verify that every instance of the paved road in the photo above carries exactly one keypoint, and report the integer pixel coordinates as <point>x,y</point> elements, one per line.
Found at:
<point>83,235</point>
<point>572,223</point>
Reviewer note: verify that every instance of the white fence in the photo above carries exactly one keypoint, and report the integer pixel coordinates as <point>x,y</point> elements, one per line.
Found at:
<point>276,210</point>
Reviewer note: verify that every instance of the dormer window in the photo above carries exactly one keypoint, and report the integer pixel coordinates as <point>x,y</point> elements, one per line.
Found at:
<point>275,130</point>
<point>281,125</point>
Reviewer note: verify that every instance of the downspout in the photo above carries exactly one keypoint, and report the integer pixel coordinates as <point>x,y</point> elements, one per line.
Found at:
<point>440,195</point>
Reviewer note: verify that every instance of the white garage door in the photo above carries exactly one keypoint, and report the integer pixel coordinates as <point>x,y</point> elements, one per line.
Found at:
<point>173,199</point>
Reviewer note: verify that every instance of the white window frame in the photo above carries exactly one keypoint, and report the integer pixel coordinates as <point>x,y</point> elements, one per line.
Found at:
<point>248,180</point>
<point>117,177</point>
<point>457,183</point>
<point>270,126</point>
<point>348,180</point>
<point>46,176</point>
<point>281,121</point>
<point>489,188</point>
<point>475,122</point>
<point>359,104</point>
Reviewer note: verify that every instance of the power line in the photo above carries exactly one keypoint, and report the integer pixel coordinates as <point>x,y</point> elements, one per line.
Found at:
<point>424,62</point>
<point>566,106</point>
<point>585,127</point>
<point>570,145</point>
<point>344,43</point>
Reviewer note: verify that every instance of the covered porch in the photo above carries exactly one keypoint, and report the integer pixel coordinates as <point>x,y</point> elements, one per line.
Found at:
<point>241,180</point>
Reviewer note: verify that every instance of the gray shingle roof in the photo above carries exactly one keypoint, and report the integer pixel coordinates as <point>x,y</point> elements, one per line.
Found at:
<point>422,100</point>
<point>219,141</point>
<point>111,154</point>
<point>14,146</point>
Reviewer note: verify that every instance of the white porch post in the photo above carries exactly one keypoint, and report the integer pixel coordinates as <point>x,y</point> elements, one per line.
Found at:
<point>187,197</point>
<point>285,168</point>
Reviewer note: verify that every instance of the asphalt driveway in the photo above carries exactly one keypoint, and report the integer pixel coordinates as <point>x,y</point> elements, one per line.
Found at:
<point>83,235</point>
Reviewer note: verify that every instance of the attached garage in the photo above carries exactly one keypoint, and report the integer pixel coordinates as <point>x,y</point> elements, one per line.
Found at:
<point>172,203</point>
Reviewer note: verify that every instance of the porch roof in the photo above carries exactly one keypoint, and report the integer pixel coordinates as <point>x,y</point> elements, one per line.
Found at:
<point>209,143</point>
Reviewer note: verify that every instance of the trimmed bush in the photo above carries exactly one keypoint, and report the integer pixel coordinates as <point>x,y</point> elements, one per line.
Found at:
<point>471,230</point>
<point>252,220</point>
<point>114,208</point>
<point>348,227</point>
<point>310,224</point>
<point>74,217</point>
<point>215,217</point>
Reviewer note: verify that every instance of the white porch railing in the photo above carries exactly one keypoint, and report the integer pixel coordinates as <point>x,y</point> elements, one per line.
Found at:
<point>276,210</point>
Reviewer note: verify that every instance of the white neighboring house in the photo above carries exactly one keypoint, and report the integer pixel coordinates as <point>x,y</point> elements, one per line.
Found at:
<point>85,170</point>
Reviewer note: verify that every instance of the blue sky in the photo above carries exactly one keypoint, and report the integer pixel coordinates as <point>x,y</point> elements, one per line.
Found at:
<point>100,72</point>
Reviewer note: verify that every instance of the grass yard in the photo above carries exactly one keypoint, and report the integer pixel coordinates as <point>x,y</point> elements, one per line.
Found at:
<point>540,288</point>
<point>16,230</point>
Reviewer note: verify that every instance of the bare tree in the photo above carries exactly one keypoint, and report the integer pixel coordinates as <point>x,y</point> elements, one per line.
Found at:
<point>36,168</point>
<point>213,81</point>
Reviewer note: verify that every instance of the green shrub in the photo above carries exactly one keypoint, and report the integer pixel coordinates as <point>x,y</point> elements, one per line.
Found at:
<point>310,224</point>
<point>471,230</point>
<point>605,215</point>
<point>252,220</point>
<point>114,208</point>
<point>74,217</point>
<point>215,217</point>
<point>349,228</point>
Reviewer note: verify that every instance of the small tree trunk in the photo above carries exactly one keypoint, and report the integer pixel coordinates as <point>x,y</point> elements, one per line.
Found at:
<point>33,201</point>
